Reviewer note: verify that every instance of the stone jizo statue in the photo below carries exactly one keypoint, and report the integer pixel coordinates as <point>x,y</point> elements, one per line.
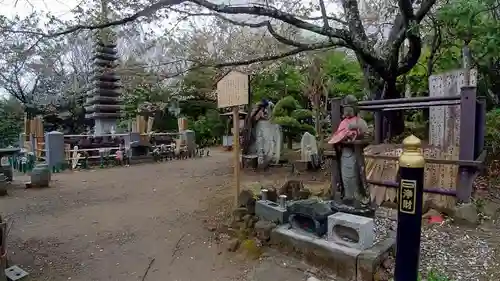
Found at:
<point>348,142</point>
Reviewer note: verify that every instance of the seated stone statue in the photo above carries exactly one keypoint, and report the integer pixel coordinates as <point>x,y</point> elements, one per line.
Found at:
<point>261,139</point>
<point>348,142</point>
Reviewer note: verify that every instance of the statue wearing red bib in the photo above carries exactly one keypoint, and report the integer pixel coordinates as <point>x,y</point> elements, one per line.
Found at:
<point>348,144</point>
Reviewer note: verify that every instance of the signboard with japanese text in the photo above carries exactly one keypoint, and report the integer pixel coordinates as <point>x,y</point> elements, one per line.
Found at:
<point>233,89</point>
<point>407,198</point>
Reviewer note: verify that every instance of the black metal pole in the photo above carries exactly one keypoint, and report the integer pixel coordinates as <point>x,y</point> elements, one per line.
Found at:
<point>411,189</point>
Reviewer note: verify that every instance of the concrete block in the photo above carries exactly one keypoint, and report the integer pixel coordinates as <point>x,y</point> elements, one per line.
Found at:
<point>342,260</point>
<point>54,145</point>
<point>370,259</point>
<point>271,211</point>
<point>359,230</point>
<point>15,273</point>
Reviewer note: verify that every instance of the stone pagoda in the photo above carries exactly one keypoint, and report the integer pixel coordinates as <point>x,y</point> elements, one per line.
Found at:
<point>103,104</point>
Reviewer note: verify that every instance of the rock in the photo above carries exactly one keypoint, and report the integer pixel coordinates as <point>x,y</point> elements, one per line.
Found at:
<point>491,209</point>
<point>426,206</point>
<point>440,206</point>
<point>272,194</point>
<point>381,275</point>
<point>233,245</point>
<point>466,213</point>
<point>304,194</point>
<point>312,278</point>
<point>263,230</point>
<point>239,213</point>
<point>291,189</point>
<point>248,220</point>
<point>388,263</point>
<point>251,248</point>
<point>431,213</point>
<point>319,193</point>
<point>246,199</point>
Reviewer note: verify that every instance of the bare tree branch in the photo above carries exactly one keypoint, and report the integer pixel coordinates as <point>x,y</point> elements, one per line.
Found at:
<point>311,47</point>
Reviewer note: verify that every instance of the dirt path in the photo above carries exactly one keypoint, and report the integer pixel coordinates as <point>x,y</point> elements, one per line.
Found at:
<point>108,224</point>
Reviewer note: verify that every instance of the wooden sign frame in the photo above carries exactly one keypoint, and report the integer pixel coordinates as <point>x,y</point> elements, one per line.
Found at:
<point>233,90</point>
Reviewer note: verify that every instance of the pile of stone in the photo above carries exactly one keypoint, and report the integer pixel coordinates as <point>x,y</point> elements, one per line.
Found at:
<point>246,225</point>
<point>291,217</point>
<point>40,176</point>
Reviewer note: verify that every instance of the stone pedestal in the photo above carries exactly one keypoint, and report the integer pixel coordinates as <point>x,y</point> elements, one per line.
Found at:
<point>347,263</point>
<point>250,161</point>
<point>271,211</point>
<point>54,145</point>
<point>3,185</point>
<point>40,176</point>
<point>7,172</point>
<point>358,230</point>
<point>104,126</point>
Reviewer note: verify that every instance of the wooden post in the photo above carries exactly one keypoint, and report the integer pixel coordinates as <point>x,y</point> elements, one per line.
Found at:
<point>236,153</point>
<point>233,90</point>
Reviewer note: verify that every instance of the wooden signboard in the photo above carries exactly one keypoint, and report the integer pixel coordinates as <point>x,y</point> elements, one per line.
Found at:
<point>233,91</point>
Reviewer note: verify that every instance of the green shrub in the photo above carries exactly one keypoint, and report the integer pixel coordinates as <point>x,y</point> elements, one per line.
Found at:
<point>492,134</point>
<point>435,276</point>
<point>293,118</point>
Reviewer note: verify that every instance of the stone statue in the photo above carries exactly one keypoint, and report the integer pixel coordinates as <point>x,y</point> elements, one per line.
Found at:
<point>261,138</point>
<point>260,112</point>
<point>309,151</point>
<point>348,142</point>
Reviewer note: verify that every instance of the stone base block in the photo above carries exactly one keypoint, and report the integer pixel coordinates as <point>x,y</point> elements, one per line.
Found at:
<point>348,264</point>
<point>370,259</point>
<point>337,257</point>
<point>7,172</point>
<point>270,211</point>
<point>351,230</point>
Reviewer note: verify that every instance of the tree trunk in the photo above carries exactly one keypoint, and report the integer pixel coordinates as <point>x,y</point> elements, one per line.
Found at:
<point>289,144</point>
<point>394,120</point>
<point>388,124</point>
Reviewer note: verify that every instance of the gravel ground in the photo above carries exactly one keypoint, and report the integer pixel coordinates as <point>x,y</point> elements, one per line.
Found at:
<point>459,252</point>
<point>110,224</point>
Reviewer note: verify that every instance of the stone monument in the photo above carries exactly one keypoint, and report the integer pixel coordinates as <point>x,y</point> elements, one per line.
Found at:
<point>262,139</point>
<point>40,176</point>
<point>309,158</point>
<point>103,104</point>
<point>348,142</point>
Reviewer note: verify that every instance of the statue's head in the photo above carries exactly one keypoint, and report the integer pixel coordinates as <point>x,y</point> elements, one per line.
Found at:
<point>264,103</point>
<point>350,106</point>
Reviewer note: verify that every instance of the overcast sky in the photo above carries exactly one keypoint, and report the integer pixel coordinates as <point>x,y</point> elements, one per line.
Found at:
<point>60,8</point>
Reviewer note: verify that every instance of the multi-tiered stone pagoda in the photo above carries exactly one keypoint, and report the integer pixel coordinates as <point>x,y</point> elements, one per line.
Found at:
<point>103,104</point>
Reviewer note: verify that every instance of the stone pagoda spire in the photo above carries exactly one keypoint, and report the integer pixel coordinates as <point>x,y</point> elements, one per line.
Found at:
<point>103,104</point>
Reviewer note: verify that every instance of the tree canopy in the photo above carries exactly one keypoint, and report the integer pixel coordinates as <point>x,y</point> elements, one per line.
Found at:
<point>173,51</point>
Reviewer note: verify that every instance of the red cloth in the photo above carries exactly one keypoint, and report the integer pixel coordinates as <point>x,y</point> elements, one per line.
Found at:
<point>343,131</point>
